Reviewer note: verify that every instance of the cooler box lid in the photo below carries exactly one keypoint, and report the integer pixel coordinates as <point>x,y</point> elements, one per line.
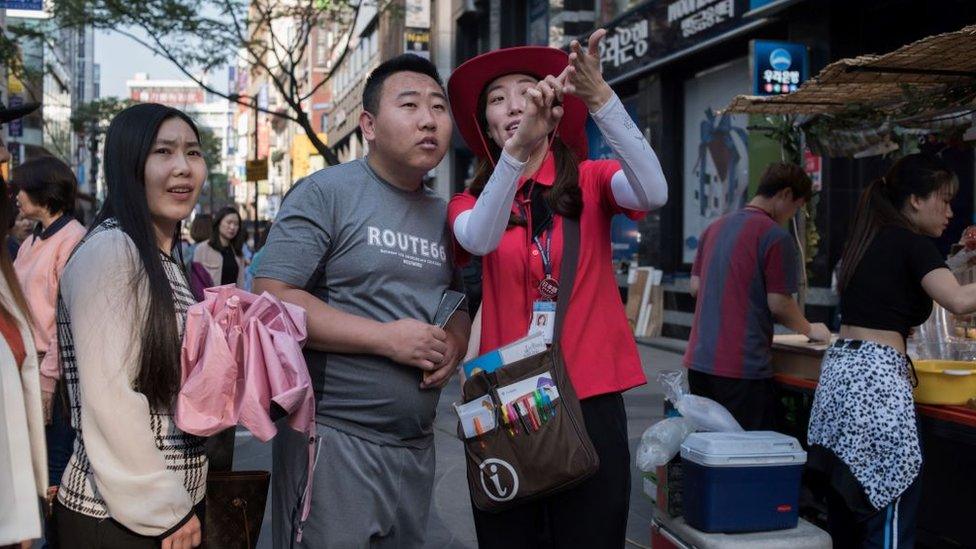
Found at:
<point>743,449</point>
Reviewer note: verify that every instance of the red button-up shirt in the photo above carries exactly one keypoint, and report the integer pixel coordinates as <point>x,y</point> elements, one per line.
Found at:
<point>597,342</point>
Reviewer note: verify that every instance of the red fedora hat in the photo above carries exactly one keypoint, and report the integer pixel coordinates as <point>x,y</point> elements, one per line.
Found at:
<point>467,82</point>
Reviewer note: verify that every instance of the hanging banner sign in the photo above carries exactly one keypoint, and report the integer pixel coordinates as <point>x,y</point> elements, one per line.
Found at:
<point>777,67</point>
<point>418,14</point>
<point>417,42</point>
<point>15,128</point>
<point>677,25</point>
<point>30,5</point>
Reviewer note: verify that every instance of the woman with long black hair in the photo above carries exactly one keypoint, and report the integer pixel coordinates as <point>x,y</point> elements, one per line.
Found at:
<point>863,434</point>
<point>222,254</point>
<point>121,312</point>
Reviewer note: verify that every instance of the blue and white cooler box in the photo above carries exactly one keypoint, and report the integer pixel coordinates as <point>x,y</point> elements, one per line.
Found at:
<point>741,482</point>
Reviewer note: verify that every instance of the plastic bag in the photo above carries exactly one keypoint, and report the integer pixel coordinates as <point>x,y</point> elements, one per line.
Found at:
<point>704,413</point>
<point>661,442</point>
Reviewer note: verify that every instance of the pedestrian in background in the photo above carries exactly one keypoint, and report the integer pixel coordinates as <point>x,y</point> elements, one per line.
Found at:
<point>507,105</point>
<point>863,432</point>
<point>121,312</point>
<point>20,229</point>
<point>744,276</point>
<point>23,463</point>
<point>200,229</point>
<point>222,254</point>
<point>46,196</point>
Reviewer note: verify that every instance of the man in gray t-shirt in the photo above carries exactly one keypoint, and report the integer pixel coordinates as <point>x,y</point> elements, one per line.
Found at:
<point>364,247</point>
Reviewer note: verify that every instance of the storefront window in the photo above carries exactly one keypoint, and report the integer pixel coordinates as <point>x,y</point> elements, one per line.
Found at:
<point>609,9</point>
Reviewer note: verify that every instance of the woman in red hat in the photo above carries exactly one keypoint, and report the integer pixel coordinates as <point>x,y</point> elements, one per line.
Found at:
<point>522,111</point>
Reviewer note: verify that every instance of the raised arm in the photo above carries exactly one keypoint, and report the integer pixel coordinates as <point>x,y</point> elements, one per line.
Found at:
<point>641,184</point>
<point>480,229</point>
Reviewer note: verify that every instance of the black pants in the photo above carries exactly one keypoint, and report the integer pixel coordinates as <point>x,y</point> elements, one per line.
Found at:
<point>592,514</point>
<point>60,437</point>
<point>91,533</point>
<point>754,403</point>
<point>892,526</point>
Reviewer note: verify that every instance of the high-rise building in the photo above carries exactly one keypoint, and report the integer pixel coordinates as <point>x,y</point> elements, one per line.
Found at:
<point>66,79</point>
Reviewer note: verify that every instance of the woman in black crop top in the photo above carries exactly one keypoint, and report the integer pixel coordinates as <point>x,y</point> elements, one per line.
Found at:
<point>863,435</point>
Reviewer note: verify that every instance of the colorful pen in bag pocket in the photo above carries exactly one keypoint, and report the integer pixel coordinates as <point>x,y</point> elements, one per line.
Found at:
<point>549,403</point>
<point>524,416</point>
<point>517,422</point>
<point>540,406</point>
<point>530,411</point>
<point>507,422</point>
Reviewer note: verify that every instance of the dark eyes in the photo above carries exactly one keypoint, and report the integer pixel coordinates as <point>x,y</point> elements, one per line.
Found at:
<point>164,150</point>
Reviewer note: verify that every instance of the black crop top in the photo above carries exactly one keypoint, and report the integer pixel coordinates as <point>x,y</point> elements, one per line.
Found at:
<point>886,291</point>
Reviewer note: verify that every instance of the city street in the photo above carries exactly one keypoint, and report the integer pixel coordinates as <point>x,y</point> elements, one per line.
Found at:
<point>450,518</point>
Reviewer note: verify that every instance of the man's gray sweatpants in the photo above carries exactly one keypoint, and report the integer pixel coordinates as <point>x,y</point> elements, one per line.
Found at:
<point>364,494</point>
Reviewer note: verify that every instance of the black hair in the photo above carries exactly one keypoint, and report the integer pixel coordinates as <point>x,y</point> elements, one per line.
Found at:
<point>201,227</point>
<point>48,182</point>
<point>882,203</point>
<point>238,243</point>
<point>406,62</point>
<point>784,175</point>
<point>128,143</point>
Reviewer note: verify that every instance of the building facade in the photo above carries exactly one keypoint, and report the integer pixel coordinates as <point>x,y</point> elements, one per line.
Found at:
<point>61,74</point>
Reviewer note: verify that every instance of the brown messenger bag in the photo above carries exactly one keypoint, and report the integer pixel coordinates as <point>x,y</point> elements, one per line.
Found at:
<point>544,457</point>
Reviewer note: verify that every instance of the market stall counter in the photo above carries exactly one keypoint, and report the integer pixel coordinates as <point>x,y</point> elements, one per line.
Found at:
<point>948,435</point>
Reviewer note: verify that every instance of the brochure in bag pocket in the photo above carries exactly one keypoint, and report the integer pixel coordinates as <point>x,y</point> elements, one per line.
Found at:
<point>513,352</point>
<point>477,417</point>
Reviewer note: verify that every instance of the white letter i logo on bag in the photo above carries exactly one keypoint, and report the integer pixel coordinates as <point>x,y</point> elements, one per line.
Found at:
<point>499,479</point>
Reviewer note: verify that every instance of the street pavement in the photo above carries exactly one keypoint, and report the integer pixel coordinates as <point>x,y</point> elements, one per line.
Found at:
<point>450,523</point>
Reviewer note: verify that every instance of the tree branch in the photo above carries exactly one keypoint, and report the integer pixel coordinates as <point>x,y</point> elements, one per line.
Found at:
<point>345,51</point>
<point>230,97</point>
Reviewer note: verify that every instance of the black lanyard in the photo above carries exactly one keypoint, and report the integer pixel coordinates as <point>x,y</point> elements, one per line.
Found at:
<point>545,252</point>
<point>549,286</point>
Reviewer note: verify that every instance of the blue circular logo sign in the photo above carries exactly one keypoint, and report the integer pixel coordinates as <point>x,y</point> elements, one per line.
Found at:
<point>780,59</point>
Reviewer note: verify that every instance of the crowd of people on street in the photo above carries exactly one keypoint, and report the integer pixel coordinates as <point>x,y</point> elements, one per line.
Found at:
<point>92,319</point>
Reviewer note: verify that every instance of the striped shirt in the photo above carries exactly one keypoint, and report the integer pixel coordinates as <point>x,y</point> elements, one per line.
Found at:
<point>742,256</point>
<point>130,461</point>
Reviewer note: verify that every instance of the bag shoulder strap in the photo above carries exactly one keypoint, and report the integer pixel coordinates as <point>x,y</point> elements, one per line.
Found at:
<point>567,272</point>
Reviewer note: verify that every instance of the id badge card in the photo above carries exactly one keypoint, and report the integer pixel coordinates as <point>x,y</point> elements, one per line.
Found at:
<point>543,319</point>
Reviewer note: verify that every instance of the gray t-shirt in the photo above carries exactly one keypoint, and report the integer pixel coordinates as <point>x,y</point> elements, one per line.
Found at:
<point>376,251</point>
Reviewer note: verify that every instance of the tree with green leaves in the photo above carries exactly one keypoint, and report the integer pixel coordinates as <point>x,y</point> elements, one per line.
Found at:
<point>216,190</point>
<point>90,122</point>
<point>197,36</point>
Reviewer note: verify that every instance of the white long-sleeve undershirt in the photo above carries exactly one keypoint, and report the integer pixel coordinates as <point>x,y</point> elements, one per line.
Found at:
<point>640,184</point>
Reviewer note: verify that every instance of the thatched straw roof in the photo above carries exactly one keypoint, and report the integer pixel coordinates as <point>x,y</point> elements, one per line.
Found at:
<point>933,66</point>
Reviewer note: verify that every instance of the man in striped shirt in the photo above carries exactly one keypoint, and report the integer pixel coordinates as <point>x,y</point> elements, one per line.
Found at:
<point>744,276</point>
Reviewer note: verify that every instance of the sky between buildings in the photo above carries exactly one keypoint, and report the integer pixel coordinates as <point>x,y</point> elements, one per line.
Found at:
<point>121,58</point>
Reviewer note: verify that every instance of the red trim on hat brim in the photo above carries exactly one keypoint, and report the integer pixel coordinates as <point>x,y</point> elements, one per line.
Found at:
<point>467,82</point>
